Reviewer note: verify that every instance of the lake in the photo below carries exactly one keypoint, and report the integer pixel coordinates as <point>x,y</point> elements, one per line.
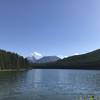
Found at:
<point>50,84</point>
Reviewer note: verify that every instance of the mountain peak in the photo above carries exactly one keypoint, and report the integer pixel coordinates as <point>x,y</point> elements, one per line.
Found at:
<point>37,55</point>
<point>47,59</point>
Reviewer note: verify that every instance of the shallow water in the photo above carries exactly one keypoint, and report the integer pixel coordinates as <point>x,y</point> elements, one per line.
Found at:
<point>49,84</point>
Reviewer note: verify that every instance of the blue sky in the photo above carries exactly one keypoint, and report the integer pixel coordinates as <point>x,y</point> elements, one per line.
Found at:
<point>50,27</point>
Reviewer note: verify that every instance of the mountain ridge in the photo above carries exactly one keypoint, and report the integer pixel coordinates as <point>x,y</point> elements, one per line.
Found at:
<point>86,61</point>
<point>90,60</point>
<point>44,59</point>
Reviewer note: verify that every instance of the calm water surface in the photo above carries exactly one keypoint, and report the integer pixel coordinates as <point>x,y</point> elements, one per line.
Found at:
<point>38,84</point>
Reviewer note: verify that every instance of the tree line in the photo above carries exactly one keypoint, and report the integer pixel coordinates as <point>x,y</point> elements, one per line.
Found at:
<point>89,60</point>
<point>9,60</point>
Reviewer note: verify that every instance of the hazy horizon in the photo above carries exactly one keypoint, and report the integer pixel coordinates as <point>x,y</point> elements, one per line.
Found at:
<point>49,27</point>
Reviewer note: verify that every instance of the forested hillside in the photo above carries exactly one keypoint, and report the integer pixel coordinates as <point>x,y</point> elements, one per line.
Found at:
<point>9,60</point>
<point>89,60</point>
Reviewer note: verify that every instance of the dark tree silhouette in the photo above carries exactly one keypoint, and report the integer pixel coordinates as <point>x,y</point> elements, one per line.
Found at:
<point>10,60</point>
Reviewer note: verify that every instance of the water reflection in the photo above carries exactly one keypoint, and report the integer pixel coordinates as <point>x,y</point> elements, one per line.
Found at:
<point>49,84</point>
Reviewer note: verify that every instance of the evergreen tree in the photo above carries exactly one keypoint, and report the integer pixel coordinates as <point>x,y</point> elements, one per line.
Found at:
<point>10,60</point>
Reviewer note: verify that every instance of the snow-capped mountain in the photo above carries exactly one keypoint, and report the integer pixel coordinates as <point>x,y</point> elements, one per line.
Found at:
<point>45,59</point>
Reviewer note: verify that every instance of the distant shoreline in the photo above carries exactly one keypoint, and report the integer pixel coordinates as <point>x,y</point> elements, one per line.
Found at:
<point>21,70</point>
<point>6,70</point>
